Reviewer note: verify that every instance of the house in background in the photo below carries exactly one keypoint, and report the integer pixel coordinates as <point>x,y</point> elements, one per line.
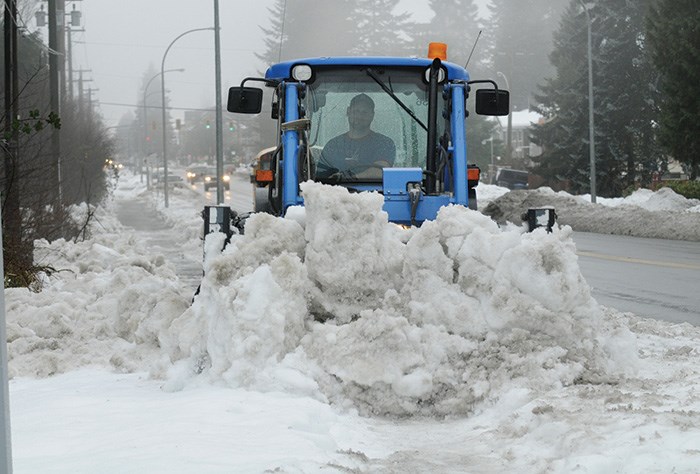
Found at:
<point>522,148</point>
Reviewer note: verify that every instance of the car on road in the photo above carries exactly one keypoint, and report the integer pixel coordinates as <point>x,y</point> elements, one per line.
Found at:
<point>512,179</point>
<point>209,178</point>
<point>196,173</point>
<point>174,180</point>
<point>262,162</point>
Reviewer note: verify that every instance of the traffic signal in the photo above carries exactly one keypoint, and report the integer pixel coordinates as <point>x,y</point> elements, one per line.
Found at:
<point>207,125</point>
<point>230,126</point>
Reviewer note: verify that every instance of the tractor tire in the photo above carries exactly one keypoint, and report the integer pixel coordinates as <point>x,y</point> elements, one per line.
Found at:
<point>472,199</point>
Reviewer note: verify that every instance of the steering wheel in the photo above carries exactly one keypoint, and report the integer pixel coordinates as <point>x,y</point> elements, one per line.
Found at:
<point>337,175</point>
<point>353,171</point>
<point>364,167</point>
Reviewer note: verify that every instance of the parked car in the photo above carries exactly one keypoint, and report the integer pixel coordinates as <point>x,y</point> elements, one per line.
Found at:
<point>209,178</point>
<point>512,179</point>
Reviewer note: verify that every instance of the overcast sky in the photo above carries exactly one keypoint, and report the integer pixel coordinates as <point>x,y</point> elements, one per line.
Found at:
<point>123,37</point>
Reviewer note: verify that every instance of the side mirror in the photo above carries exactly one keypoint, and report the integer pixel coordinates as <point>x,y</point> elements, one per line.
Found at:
<point>244,100</point>
<point>492,102</point>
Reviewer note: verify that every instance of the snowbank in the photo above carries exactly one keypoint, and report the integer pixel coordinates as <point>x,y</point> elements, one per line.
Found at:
<point>429,321</point>
<point>662,214</point>
<point>106,305</point>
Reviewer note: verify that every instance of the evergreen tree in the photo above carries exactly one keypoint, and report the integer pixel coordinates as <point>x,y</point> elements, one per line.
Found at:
<point>274,35</point>
<point>455,23</point>
<point>380,31</point>
<point>625,97</point>
<point>623,101</point>
<point>306,28</point>
<point>520,38</point>
<point>674,44</point>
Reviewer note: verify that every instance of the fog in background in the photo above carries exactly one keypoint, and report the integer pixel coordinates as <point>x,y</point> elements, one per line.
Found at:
<point>123,39</point>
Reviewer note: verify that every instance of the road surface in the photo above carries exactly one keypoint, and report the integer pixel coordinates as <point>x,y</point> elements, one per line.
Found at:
<point>650,277</point>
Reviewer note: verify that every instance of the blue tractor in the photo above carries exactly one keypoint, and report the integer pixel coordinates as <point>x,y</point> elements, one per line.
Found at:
<point>418,122</point>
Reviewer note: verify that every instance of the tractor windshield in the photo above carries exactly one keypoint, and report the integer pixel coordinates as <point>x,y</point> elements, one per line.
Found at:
<point>365,119</point>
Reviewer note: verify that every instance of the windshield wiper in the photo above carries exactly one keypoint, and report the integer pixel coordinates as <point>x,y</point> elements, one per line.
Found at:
<point>376,78</point>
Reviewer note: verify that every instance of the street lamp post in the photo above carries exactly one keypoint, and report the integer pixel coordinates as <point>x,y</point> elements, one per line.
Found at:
<point>591,128</point>
<point>162,85</point>
<point>509,130</point>
<point>145,114</point>
<point>492,166</point>
<point>219,112</point>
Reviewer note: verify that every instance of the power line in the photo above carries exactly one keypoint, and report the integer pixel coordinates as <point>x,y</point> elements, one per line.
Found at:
<point>140,106</point>
<point>157,46</point>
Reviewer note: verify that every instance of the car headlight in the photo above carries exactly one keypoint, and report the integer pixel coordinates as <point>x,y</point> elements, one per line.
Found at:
<point>207,179</point>
<point>227,178</point>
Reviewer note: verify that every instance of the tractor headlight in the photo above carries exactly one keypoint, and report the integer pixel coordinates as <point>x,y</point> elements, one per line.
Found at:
<point>302,72</point>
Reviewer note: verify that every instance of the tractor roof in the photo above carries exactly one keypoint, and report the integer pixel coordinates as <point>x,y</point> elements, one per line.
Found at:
<point>282,71</point>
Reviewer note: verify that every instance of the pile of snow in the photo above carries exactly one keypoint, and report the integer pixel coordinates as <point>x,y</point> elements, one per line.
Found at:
<point>662,214</point>
<point>430,321</point>
<point>106,304</point>
<point>665,199</point>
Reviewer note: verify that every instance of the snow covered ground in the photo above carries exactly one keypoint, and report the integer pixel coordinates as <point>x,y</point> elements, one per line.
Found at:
<point>457,347</point>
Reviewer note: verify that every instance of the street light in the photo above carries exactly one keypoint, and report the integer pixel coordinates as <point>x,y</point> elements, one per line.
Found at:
<point>145,113</point>
<point>162,85</point>
<point>591,128</point>
<point>509,130</point>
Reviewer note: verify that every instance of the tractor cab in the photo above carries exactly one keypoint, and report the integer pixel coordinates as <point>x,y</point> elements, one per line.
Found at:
<point>396,126</point>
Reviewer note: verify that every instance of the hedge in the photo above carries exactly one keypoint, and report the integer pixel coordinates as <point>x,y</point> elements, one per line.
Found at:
<point>688,189</point>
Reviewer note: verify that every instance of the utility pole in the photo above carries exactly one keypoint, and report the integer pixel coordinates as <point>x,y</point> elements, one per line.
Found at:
<point>591,124</point>
<point>90,108</point>
<point>12,210</point>
<point>11,204</point>
<point>56,20</point>
<point>69,58</point>
<point>81,82</point>
<point>75,16</point>
<point>509,128</point>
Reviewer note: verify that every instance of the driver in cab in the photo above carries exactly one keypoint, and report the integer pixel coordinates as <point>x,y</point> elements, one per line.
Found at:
<point>360,152</point>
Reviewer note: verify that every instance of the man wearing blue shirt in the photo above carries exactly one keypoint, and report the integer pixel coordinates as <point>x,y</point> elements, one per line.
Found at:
<point>360,152</point>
